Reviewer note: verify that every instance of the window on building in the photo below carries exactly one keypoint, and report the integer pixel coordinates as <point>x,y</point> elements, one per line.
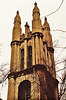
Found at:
<point>24,90</point>
<point>30,56</point>
<point>22,59</point>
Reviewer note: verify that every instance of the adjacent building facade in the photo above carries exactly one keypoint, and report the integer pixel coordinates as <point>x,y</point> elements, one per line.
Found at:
<point>32,70</point>
<point>63,89</point>
<point>63,85</point>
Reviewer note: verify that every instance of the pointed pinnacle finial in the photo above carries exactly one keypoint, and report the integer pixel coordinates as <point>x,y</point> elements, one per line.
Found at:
<point>27,24</point>
<point>17,12</point>
<point>17,17</point>
<point>35,3</point>
<point>45,18</point>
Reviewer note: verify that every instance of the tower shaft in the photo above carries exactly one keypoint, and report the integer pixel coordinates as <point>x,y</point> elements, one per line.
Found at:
<point>32,75</point>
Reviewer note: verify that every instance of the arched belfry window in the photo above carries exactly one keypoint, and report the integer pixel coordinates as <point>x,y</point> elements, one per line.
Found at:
<point>30,56</point>
<point>22,59</point>
<point>24,90</point>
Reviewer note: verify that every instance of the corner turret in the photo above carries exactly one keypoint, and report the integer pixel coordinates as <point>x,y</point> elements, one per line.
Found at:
<point>17,28</point>
<point>46,24</point>
<point>46,32</point>
<point>15,44</point>
<point>27,29</point>
<point>36,22</point>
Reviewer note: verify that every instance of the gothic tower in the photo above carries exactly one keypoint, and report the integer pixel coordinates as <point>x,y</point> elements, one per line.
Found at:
<point>32,70</point>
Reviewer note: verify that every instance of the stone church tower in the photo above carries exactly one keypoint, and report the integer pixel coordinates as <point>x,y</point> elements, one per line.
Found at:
<point>32,70</point>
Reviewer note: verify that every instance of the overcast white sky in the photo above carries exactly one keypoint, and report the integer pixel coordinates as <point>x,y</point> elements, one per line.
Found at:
<point>8,9</point>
